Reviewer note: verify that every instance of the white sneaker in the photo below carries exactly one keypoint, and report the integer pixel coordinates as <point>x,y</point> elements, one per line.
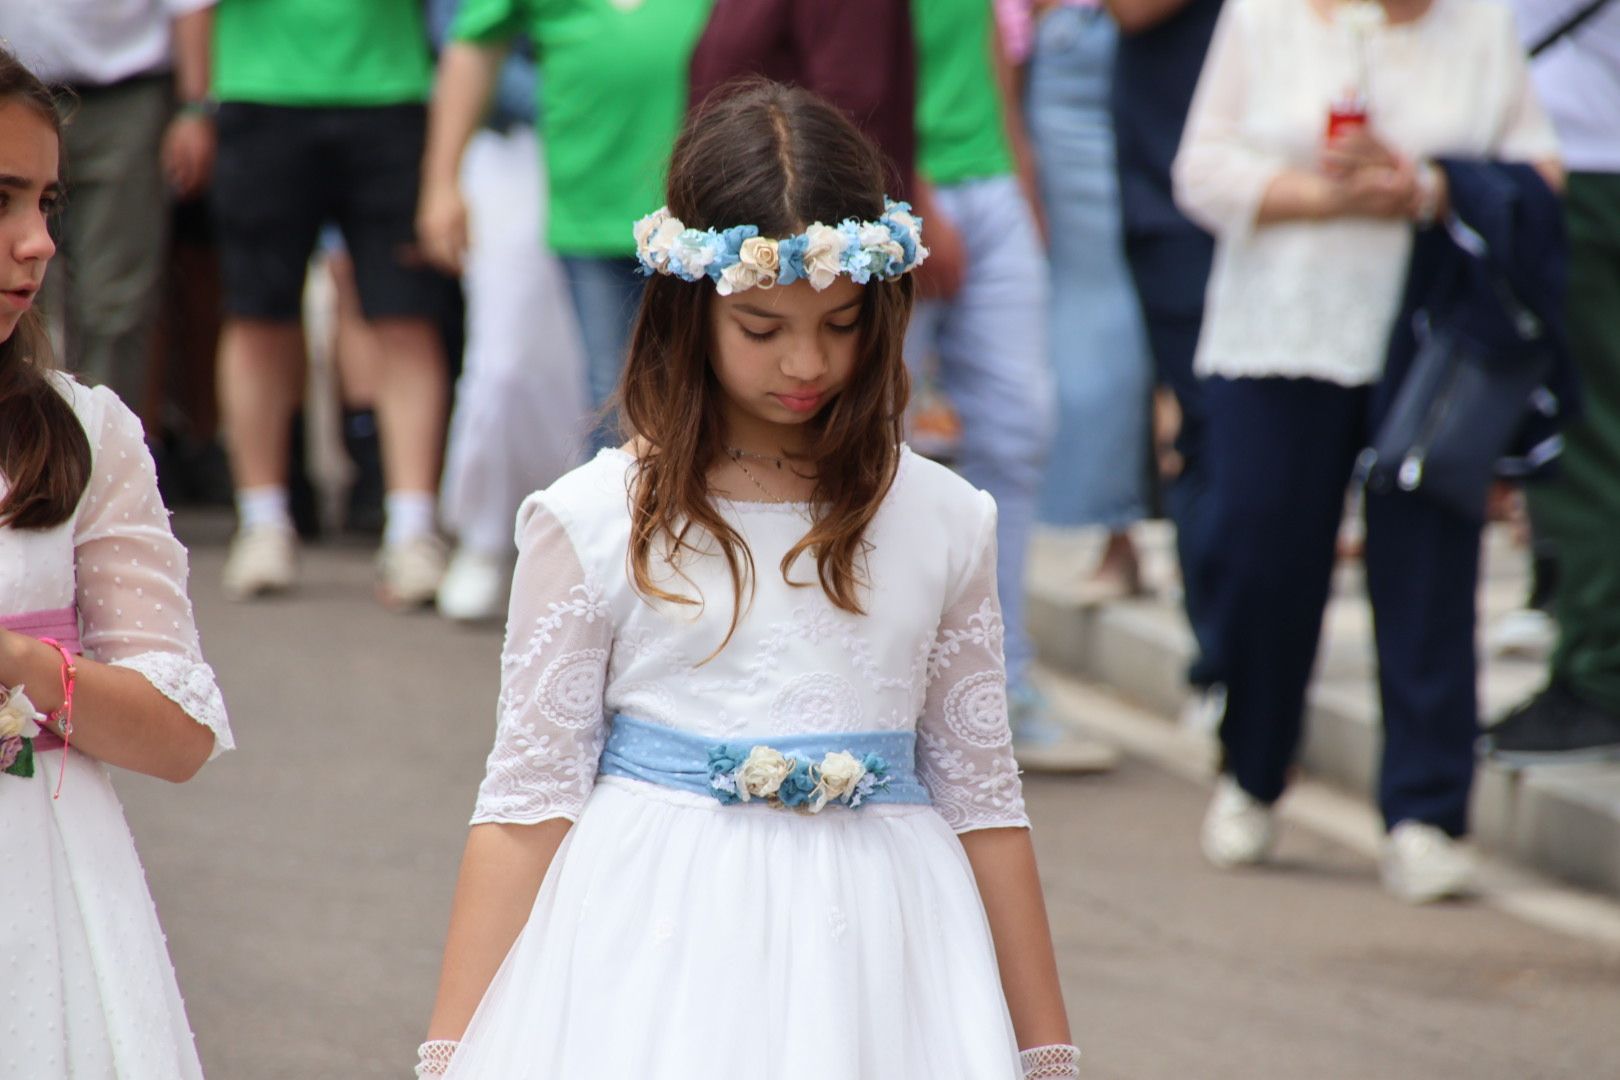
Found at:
<point>1526,633</point>
<point>263,560</point>
<point>409,574</point>
<point>1421,864</point>
<point>1205,710</point>
<point>474,587</point>
<point>1239,830</point>
<point>1044,744</point>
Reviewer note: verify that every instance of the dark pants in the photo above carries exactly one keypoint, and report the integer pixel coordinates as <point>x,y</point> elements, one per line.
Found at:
<point>1170,271</point>
<point>1282,454</point>
<point>1577,511</point>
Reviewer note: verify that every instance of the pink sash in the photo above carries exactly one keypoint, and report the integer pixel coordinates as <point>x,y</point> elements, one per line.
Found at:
<point>63,625</point>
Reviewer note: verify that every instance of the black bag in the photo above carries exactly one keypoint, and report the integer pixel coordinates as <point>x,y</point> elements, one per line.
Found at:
<point>1456,412</point>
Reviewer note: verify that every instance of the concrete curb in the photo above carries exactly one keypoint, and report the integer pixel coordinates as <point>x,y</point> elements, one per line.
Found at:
<point>1564,820</point>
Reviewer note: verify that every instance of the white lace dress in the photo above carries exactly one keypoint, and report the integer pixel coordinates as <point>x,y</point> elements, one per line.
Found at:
<point>86,987</point>
<point>676,938</point>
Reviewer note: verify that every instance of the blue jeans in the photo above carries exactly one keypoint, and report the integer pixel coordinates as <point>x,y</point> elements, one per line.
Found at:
<point>990,344</point>
<point>1098,470</point>
<point>606,292</point>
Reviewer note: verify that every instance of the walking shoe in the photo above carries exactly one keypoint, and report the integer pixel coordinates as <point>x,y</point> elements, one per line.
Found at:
<point>263,560</point>
<point>474,587</point>
<point>409,573</point>
<point>1042,743</point>
<point>1527,633</point>
<point>1421,864</point>
<point>1239,830</point>
<point>1205,710</point>
<point>1553,728</point>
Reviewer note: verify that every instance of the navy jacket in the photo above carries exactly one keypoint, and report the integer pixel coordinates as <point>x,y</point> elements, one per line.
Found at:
<point>1505,226</point>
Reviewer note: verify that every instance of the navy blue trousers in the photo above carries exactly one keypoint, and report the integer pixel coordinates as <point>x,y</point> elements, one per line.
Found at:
<point>1282,452</point>
<point>1171,270</point>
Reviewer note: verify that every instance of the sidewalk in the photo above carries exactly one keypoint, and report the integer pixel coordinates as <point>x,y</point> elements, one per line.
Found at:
<point>1564,820</point>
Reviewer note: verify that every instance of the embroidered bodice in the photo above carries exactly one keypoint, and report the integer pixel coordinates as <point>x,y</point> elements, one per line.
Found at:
<point>118,561</point>
<point>582,645</point>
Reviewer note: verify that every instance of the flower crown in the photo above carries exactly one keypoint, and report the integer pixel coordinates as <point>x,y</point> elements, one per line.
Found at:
<point>739,258</point>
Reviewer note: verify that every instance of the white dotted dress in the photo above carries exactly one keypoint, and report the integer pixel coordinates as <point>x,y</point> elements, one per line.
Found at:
<point>86,987</point>
<point>676,938</point>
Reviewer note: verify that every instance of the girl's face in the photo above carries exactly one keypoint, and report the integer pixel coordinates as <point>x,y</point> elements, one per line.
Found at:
<point>29,192</point>
<point>782,354</point>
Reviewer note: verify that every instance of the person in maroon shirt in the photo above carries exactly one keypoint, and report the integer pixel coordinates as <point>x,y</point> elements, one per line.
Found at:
<point>860,56</point>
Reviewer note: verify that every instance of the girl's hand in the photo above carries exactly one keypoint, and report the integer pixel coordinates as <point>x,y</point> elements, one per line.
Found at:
<point>441,226</point>
<point>1354,150</point>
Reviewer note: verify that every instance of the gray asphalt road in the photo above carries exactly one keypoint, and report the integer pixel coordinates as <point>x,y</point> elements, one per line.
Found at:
<point>305,880</point>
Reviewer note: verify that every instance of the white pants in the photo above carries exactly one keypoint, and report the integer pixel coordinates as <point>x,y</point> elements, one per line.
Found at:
<point>520,417</point>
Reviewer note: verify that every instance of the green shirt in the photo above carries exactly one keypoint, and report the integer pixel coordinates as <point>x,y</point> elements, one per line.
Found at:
<point>961,133</point>
<point>321,52</point>
<point>614,74</point>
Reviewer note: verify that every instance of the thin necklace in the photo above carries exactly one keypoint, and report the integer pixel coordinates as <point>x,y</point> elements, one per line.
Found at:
<point>737,456</point>
<point>737,452</point>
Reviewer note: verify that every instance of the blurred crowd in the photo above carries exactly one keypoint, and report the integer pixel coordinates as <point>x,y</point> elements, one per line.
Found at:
<point>368,266</point>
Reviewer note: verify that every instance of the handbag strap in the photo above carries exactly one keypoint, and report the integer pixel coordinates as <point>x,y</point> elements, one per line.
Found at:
<point>1570,24</point>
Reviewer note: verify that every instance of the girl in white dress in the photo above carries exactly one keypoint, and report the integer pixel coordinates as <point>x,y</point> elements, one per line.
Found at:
<point>99,666</point>
<point>752,808</point>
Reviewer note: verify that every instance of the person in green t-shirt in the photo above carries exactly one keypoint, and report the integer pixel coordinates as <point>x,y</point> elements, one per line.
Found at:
<point>322,120</point>
<point>989,337</point>
<point>615,78</point>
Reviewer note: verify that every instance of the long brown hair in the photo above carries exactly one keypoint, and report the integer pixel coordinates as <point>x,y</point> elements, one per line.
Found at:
<point>782,159</point>
<point>44,454</point>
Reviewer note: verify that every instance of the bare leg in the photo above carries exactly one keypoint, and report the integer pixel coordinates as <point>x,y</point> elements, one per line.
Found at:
<point>412,398</point>
<point>261,378</point>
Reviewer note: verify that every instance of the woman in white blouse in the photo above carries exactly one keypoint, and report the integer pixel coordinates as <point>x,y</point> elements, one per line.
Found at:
<point>99,665</point>
<point>1313,235</point>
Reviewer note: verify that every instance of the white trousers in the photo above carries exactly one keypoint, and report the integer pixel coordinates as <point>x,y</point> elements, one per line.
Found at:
<point>520,416</point>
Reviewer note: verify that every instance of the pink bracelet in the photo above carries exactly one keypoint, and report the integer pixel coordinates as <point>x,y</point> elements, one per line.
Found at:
<point>63,717</point>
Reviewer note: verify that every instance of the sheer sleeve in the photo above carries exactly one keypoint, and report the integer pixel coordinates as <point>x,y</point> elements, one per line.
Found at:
<point>550,725</point>
<point>1219,177</point>
<point>131,572</point>
<point>964,743</point>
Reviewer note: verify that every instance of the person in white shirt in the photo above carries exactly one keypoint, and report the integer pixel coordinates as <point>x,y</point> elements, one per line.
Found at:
<point>1308,154</point>
<point>139,129</point>
<point>1576,512</point>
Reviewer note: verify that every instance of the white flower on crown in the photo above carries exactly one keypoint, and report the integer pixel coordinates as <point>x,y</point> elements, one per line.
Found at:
<point>823,255</point>
<point>663,238</point>
<point>740,277</point>
<point>874,235</point>
<point>761,774</point>
<point>761,256</point>
<point>1360,16</point>
<point>648,225</point>
<point>693,253</point>
<point>17,714</point>
<point>837,776</point>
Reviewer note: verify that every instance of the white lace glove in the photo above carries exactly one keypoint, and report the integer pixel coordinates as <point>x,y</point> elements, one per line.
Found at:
<point>433,1057</point>
<point>1056,1062</point>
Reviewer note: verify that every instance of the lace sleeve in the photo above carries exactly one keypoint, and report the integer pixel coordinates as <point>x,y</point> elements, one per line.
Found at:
<point>964,744</point>
<point>131,573</point>
<point>550,725</point>
<point>1219,176</point>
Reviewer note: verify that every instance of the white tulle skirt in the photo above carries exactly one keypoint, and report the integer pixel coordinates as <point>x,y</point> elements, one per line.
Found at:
<point>89,992</point>
<point>678,939</point>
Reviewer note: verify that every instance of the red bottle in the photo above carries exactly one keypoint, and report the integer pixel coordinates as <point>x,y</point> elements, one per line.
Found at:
<point>1347,113</point>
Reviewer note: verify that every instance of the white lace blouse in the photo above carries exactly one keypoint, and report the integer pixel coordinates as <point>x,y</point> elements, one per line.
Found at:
<point>1317,299</point>
<point>582,645</point>
<point>118,560</point>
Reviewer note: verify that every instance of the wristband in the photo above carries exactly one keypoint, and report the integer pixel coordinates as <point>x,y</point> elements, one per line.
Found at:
<point>433,1057</point>
<point>1428,189</point>
<point>202,108</point>
<point>63,717</point>
<point>1057,1062</point>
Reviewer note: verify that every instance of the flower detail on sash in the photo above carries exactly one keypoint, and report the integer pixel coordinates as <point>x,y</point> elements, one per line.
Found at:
<point>18,727</point>
<point>740,774</point>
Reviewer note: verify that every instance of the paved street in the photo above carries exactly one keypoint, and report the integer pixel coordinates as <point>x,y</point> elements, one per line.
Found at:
<point>304,882</point>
